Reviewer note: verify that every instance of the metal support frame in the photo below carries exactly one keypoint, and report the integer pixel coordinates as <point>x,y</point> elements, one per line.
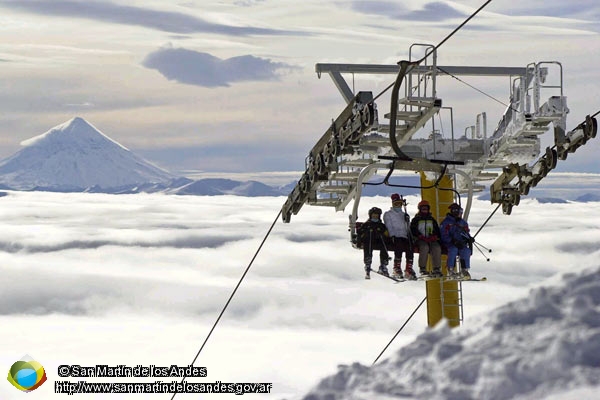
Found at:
<point>443,296</point>
<point>467,208</point>
<point>364,174</point>
<point>335,71</point>
<point>356,141</point>
<point>342,86</point>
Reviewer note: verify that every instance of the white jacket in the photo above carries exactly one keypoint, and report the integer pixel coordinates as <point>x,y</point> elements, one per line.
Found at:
<point>395,222</point>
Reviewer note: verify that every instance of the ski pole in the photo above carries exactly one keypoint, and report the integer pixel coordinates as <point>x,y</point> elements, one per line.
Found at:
<point>409,235</point>
<point>488,250</point>
<point>385,247</point>
<point>482,253</point>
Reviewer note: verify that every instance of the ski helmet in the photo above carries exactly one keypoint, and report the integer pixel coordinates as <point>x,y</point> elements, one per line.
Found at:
<point>454,206</point>
<point>423,203</point>
<point>374,210</point>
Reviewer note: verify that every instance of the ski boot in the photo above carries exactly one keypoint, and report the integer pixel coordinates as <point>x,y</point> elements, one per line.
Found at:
<point>367,271</point>
<point>436,273</point>
<point>383,270</point>
<point>423,272</point>
<point>465,274</point>
<point>453,274</point>
<point>409,273</point>
<point>397,272</point>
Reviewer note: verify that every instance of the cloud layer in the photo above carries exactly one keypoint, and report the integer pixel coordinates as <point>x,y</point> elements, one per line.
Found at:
<point>304,304</point>
<point>82,251</point>
<point>203,69</point>
<point>433,11</point>
<point>189,242</point>
<point>587,9</point>
<point>105,11</point>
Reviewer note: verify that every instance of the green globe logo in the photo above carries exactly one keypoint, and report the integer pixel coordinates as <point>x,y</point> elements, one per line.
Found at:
<point>27,374</point>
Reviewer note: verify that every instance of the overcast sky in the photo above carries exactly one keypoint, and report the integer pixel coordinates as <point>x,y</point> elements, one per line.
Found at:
<point>230,85</point>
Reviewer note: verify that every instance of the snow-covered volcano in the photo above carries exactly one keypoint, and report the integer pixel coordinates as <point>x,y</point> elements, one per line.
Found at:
<point>75,156</point>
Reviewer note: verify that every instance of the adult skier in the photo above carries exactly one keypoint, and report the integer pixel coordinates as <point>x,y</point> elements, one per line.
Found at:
<point>397,222</point>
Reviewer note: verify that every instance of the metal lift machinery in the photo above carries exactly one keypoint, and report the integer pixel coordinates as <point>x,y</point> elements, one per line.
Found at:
<point>355,146</point>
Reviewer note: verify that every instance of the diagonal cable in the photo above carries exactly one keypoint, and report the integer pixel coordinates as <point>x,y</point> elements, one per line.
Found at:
<point>232,294</point>
<point>400,330</point>
<point>438,45</point>
<point>476,89</point>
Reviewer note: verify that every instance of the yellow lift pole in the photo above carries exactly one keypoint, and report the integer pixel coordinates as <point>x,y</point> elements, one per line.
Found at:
<point>444,298</point>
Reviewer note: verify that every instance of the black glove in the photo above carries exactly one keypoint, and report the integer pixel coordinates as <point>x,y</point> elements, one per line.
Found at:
<point>458,244</point>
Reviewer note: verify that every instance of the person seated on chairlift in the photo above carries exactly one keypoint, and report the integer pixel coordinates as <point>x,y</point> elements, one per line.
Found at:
<point>458,241</point>
<point>372,235</point>
<point>397,221</point>
<point>427,233</point>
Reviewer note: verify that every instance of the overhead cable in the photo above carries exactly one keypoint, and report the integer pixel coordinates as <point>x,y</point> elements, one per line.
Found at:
<point>232,294</point>
<point>400,330</point>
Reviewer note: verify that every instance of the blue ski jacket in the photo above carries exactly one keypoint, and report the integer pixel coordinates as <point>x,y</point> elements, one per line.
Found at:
<point>455,232</point>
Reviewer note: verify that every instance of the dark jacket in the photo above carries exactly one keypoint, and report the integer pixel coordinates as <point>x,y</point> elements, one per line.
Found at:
<point>373,234</point>
<point>425,227</point>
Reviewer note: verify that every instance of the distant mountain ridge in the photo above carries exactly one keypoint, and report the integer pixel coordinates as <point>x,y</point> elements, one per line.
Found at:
<point>215,187</point>
<point>77,157</point>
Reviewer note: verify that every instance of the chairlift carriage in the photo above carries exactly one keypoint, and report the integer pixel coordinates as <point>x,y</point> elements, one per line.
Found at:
<point>356,145</point>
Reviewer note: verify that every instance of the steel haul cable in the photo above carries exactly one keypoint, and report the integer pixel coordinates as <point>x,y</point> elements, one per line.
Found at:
<point>232,294</point>
<point>478,90</point>
<point>400,330</point>
<point>486,221</point>
<point>405,68</point>
<point>280,211</point>
<point>438,45</point>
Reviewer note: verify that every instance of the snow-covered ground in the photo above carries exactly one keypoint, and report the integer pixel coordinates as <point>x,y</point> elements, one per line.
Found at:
<point>547,343</point>
<point>140,279</point>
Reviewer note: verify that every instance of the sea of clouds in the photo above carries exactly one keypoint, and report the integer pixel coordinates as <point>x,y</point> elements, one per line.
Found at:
<point>140,279</point>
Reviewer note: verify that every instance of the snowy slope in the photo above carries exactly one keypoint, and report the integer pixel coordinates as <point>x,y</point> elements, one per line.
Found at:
<point>547,344</point>
<point>74,156</point>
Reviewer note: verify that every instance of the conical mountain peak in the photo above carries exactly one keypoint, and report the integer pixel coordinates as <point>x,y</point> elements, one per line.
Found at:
<point>75,125</point>
<point>75,155</point>
<point>74,130</point>
<point>77,122</point>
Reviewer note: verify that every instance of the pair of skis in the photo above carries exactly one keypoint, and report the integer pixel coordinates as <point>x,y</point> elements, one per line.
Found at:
<point>427,278</point>
<point>368,276</point>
